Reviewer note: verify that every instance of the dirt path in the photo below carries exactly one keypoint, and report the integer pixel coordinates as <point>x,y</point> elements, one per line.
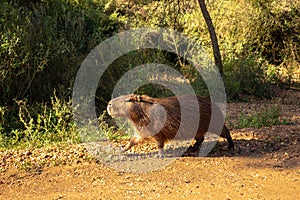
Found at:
<point>197,178</point>
<point>265,165</point>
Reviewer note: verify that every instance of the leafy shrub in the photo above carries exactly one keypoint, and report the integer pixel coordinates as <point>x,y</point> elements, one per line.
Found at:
<point>246,76</point>
<point>246,30</point>
<point>44,42</point>
<point>274,36</point>
<point>267,117</point>
<point>50,124</point>
<point>42,125</point>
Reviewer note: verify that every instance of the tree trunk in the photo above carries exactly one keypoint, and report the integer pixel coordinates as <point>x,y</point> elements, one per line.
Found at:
<point>213,37</point>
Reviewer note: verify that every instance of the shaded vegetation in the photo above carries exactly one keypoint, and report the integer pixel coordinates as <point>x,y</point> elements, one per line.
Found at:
<point>267,117</point>
<point>44,42</point>
<point>39,124</point>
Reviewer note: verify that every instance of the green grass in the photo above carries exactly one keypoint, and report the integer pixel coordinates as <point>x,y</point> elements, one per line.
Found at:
<point>43,125</point>
<point>40,125</point>
<point>112,132</point>
<point>267,117</point>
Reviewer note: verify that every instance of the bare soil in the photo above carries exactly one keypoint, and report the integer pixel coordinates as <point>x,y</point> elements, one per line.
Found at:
<point>264,165</point>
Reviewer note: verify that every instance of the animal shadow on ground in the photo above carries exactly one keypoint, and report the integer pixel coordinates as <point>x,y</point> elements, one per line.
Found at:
<point>274,153</point>
<point>286,154</point>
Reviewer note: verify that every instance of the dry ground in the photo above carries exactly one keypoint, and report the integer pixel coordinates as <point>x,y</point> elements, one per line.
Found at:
<point>265,165</point>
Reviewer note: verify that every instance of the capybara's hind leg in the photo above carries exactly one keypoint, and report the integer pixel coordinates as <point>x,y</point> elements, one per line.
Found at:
<point>193,150</point>
<point>226,134</point>
<point>196,146</point>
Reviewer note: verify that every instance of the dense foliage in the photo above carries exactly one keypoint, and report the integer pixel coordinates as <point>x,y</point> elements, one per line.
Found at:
<point>43,43</point>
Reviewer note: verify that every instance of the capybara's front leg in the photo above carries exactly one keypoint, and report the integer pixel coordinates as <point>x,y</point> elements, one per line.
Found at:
<point>133,141</point>
<point>160,142</point>
<point>161,151</point>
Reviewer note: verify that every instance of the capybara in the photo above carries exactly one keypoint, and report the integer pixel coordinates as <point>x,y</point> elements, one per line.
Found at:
<point>160,118</point>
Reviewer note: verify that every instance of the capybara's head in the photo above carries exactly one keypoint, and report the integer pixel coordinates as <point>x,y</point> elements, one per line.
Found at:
<point>127,105</point>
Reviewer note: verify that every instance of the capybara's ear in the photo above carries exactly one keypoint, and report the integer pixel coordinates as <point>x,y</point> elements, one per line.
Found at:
<point>146,99</point>
<point>139,98</point>
<point>133,98</point>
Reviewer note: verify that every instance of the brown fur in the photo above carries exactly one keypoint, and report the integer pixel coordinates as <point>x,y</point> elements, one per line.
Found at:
<point>160,118</point>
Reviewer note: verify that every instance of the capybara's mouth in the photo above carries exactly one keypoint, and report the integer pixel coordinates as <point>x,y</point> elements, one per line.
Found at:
<point>108,110</point>
<point>112,113</point>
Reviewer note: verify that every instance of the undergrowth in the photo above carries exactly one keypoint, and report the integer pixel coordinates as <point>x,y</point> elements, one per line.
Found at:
<point>267,117</point>
<point>42,125</point>
<point>113,132</point>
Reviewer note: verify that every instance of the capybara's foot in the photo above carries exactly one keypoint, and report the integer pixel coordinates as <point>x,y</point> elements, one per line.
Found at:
<point>191,152</point>
<point>123,150</point>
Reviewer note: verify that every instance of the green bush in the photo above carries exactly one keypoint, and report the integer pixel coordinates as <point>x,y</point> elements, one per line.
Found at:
<point>264,31</point>
<point>42,125</point>
<point>48,124</point>
<point>246,76</point>
<point>44,42</point>
<point>266,117</point>
<point>274,36</point>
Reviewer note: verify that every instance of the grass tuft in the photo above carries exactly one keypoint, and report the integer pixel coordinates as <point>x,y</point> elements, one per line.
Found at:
<point>267,117</point>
